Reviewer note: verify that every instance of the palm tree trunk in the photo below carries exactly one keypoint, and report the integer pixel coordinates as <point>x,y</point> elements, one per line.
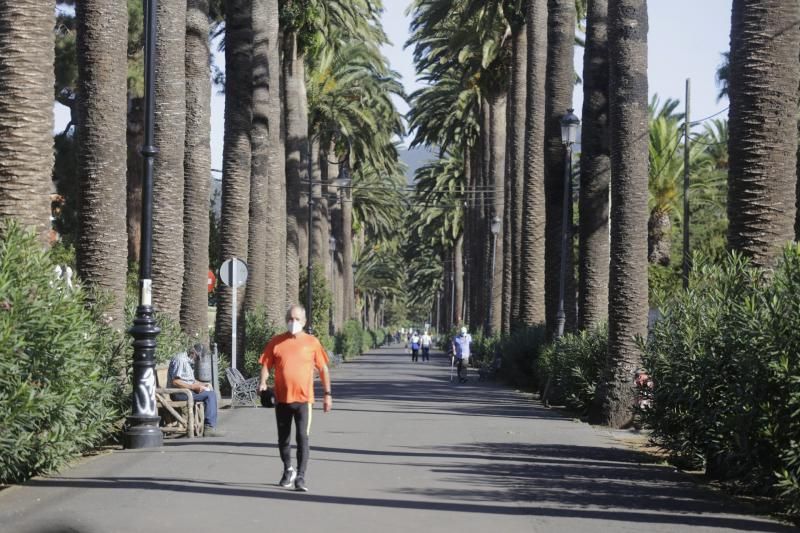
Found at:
<point>296,116</point>
<point>255,294</point>
<point>764,72</point>
<point>26,112</point>
<point>170,133</point>
<point>101,248</point>
<point>496,183</point>
<point>458,272</point>
<point>595,171</point>
<point>627,306</point>
<point>348,284</point>
<point>319,229</point>
<point>515,181</point>
<point>533,222</point>
<point>560,83</point>
<point>268,149</point>
<point>236,159</point>
<point>197,162</point>
<point>659,238</point>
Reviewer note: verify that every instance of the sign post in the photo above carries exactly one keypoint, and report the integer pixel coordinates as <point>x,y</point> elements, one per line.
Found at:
<point>233,273</point>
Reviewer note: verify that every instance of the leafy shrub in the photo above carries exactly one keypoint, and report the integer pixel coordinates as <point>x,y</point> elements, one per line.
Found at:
<point>60,367</point>
<point>520,352</point>
<point>725,359</point>
<point>321,304</point>
<point>571,367</point>
<point>258,331</point>
<point>349,341</point>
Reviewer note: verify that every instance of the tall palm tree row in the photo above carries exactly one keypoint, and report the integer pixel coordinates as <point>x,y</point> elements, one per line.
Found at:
<point>26,117</point>
<point>102,107</point>
<point>762,87</point>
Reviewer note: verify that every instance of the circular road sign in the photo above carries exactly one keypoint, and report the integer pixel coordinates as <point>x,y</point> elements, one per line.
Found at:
<point>233,268</point>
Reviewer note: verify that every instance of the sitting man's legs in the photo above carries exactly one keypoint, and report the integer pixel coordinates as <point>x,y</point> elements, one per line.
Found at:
<point>209,398</point>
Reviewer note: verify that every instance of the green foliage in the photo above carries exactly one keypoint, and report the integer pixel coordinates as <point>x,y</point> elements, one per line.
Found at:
<point>258,331</point>
<point>725,360</point>
<point>60,366</point>
<point>521,351</point>
<point>349,340</point>
<point>321,303</point>
<point>572,366</point>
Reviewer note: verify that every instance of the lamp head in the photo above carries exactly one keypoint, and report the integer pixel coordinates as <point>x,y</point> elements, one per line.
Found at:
<point>569,127</point>
<point>497,223</point>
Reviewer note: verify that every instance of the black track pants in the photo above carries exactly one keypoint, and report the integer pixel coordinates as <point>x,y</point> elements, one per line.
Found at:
<point>301,414</point>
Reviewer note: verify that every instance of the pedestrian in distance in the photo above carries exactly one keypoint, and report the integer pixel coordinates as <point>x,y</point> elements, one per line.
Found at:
<point>414,343</point>
<point>461,352</point>
<point>425,343</point>
<point>293,356</point>
<point>180,375</point>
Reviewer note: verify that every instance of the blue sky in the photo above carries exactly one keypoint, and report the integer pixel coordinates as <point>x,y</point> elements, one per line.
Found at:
<point>686,40</point>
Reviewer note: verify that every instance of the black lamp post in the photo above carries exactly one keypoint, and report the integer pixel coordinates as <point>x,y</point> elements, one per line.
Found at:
<point>569,134</point>
<point>142,429</point>
<point>332,248</point>
<point>495,228</point>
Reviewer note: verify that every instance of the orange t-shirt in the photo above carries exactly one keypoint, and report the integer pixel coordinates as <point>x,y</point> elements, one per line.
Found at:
<point>294,360</point>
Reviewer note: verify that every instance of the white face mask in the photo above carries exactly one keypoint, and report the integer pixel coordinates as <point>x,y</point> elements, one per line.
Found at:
<point>294,326</point>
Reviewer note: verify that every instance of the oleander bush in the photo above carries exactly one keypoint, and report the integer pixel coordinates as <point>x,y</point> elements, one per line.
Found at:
<point>349,341</point>
<point>725,360</point>
<point>569,368</point>
<point>61,367</point>
<point>521,351</point>
<point>258,331</point>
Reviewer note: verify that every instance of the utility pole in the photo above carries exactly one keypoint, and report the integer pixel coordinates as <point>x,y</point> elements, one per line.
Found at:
<point>686,215</point>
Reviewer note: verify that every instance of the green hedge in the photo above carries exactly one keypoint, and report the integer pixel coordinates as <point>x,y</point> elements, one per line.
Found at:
<point>258,331</point>
<point>349,341</point>
<point>725,360</point>
<point>61,369</point>
<point>570,367</point>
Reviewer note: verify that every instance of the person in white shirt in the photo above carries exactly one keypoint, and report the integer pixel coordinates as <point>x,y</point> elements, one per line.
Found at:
<point>425,343</point>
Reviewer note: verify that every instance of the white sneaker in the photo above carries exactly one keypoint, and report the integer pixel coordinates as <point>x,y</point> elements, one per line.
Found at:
<point>287,480</point>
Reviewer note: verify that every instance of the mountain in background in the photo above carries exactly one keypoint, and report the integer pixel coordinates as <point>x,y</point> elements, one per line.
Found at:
<point>413,159</point>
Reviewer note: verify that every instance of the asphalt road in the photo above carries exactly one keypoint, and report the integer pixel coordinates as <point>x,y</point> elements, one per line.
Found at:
<point>404,450</point>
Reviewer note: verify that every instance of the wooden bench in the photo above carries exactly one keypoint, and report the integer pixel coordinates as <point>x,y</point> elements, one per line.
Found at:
<point>178,417</point>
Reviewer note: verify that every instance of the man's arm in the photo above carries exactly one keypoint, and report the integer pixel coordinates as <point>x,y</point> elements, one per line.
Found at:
<point>262,384</point>
<point>194,387</point>
<point>325,377</point>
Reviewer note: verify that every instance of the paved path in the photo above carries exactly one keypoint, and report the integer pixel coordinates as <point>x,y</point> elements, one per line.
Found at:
<point>404,451</point>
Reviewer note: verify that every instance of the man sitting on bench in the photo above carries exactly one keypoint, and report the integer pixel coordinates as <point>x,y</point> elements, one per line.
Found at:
<point>181,375</point>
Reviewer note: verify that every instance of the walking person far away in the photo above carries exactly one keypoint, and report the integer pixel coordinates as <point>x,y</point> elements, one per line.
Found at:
<point>461,345</point>
<point>293,356</point>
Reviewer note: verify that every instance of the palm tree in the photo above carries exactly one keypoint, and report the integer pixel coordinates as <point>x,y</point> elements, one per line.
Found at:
<point>197,162</point>
<point>268,153</point>
<point>595,171</point>
<point>26,116</point>
<point>236,153</point>
<point>762,87</point>
<point>533,223</point>
<point>170,132</point>
<point>627,306</point>
<point>101,246</point>
<point>559,85</point>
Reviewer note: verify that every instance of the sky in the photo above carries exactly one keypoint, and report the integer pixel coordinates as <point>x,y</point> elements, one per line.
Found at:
<point>686,40</point>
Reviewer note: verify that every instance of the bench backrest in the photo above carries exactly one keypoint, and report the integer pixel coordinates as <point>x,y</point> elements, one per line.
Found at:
<point>161,377</point>
<point>234,376</point>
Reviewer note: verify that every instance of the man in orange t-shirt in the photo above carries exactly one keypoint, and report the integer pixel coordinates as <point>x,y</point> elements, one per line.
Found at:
<point>294,355</point>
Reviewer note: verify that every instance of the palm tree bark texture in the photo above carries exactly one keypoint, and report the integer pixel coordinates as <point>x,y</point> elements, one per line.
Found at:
<point>236,156</point>
<point>515,180</point>
<point>532,301</point>
<point>497,143</point>
<point>255,292</point>
<point>628,305</point>
<point>102,159</point>
<point>26,112</point>
<point>267,49</point>
<point>197,161</point>
<point>170,133</point>
<point>595,171</point>
<point>762,87</point>
<point>297,155</point>
<point>559,86</point>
